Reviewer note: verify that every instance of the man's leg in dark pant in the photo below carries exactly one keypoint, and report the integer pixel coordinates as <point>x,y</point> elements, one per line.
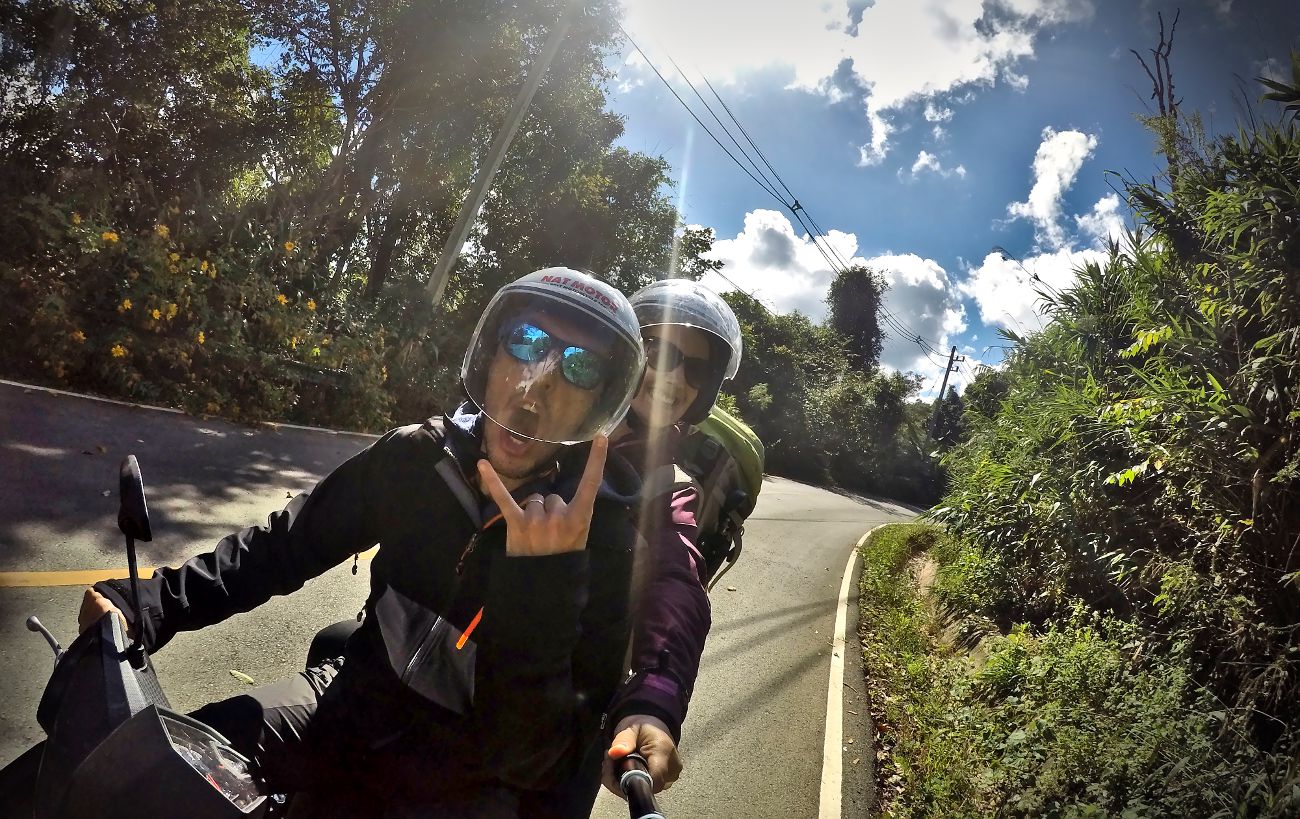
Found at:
<point>574,798</point>
<point>272,725</point>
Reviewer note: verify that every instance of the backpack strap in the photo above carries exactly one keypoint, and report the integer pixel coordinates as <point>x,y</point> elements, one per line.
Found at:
<point>664,478</point>
<point>455,480</point>
<point>449,469</point>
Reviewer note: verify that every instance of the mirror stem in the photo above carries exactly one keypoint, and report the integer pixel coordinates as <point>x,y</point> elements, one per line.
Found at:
<point>136,650</point>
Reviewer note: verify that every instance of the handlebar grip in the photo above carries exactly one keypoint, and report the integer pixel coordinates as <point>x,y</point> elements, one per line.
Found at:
<point>637,786</point>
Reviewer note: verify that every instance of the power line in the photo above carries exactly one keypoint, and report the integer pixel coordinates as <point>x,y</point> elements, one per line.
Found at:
<point>752,295</point>
<point>821,241</point>
<point>699,121</point>
<point>767,186</point>
<point>750,140</point>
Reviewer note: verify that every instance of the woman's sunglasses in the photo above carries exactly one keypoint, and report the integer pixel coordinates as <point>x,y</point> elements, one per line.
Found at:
<point>529,343</point>
<point>664,356</point>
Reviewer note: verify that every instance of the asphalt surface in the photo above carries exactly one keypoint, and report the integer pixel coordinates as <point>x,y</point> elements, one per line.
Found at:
<point>752,743</point>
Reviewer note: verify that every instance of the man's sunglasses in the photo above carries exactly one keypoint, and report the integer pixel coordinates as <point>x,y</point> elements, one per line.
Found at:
<point>664,356</point>
<point>529,343</point>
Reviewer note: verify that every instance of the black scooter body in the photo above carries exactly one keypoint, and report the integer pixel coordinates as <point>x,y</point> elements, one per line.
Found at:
<point>92,691</point>
<point>114,747</point>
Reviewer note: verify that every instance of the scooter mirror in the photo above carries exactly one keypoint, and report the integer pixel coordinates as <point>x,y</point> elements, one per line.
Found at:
<point>132,513</point>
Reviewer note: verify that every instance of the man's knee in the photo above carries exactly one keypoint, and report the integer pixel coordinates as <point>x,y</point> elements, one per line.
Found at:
<point>240,719</point>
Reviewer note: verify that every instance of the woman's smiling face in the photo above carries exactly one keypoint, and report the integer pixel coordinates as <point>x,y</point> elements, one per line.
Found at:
<point>665,394</point>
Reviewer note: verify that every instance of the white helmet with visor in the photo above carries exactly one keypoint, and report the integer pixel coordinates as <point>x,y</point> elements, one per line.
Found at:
<point>690,304</point>
<point>556,357</point>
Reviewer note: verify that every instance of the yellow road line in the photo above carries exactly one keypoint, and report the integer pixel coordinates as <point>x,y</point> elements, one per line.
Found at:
<point>83,577</point>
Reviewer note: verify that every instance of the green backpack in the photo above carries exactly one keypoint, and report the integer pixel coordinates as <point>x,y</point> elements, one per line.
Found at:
<point>723,458</point>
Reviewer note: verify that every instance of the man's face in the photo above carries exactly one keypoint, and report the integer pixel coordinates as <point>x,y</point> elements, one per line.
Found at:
<point>535,400</point>
<point>666,394</point>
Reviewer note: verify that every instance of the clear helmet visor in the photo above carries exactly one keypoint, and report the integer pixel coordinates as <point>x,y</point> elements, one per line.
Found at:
<point>549,371</point>
<point>690,304</point>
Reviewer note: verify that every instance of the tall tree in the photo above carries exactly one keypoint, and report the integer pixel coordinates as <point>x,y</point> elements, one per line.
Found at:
<point>138,104</point>
<point>854,299</point>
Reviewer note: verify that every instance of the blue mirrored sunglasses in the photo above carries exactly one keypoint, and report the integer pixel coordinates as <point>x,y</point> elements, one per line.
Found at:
<point>529,343</point>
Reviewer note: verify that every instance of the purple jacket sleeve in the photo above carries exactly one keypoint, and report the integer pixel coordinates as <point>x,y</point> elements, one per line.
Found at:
<point>671,620</point>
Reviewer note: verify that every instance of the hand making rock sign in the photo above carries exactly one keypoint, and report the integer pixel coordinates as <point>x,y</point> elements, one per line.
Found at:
<point>547,525</point>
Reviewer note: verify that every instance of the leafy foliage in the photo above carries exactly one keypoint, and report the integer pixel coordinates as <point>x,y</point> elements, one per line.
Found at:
<point>237,194</point>
<point>854,300</point>
<point>1138,461</point>
<point>1078,719</point>
<point>821,418</point>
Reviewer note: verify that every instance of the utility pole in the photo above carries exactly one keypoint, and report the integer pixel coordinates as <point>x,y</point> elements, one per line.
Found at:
<point>483,182</point>
<point>938,404</point>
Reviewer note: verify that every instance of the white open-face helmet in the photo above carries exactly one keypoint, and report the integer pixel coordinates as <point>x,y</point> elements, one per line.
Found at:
<point>556,357</point>
<point>690,304</point>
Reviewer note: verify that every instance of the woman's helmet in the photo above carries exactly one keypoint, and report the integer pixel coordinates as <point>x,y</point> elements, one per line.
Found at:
<point>556,357</point>
<point>690,304</point>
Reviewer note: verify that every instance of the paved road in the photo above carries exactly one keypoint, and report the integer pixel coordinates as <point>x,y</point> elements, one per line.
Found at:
<point>752,744</point>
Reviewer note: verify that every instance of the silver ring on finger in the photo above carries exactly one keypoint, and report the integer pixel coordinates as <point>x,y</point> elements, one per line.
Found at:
<point>535,499</point>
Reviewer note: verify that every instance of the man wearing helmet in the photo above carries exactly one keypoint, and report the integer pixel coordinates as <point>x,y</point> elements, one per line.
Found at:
<point>497,621</point>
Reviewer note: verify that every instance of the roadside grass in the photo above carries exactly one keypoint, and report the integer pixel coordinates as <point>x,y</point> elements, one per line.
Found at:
<point>1074,721</point>
<point>908,670</point>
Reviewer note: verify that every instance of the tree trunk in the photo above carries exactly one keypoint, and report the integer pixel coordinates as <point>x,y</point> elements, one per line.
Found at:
<point>383,264</point>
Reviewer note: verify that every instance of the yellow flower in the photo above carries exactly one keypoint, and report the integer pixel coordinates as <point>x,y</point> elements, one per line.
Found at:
<point>76,218</point>
<point>311,304</point>
<point>315,350</point>
<point>175,257</point>
<point>289,247</point>
<point>157,314</point>
<point>163,231</point>
<point>203,266</point>
<point>118,351</point>
<point>79,337</point>
<point>124,306</point>
<point>282,298</point>
<point>108,236</point>
<point>293,342</point>
<point>200,338</point>
<point>383,371</point>
<point>171,310</point>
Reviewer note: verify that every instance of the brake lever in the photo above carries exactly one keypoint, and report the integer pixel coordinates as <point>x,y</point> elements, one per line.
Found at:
<point>33,624</point>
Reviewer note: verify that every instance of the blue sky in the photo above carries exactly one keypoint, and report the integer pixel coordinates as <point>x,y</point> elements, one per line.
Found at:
<point>922,133</point>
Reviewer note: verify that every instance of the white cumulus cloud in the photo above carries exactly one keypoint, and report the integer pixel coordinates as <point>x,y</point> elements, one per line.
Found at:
<point>1056,165</point>
<point>934,113</point>
<point>921,296</point>
<point>1007,292</point>
<point>1017,81</point>
<point>898,52</point>
<point>779,266</point>
<point>1104,223</point>
<point>783,268</point>
<point>926,161</point>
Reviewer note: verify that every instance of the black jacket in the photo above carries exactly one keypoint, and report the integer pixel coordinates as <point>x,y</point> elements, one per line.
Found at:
<point>471,667</point>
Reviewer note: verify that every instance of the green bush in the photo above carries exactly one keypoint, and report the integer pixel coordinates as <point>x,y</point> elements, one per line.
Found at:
<point>1144,456</point>
<point>180,315</point>
<point>1081,719</point>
